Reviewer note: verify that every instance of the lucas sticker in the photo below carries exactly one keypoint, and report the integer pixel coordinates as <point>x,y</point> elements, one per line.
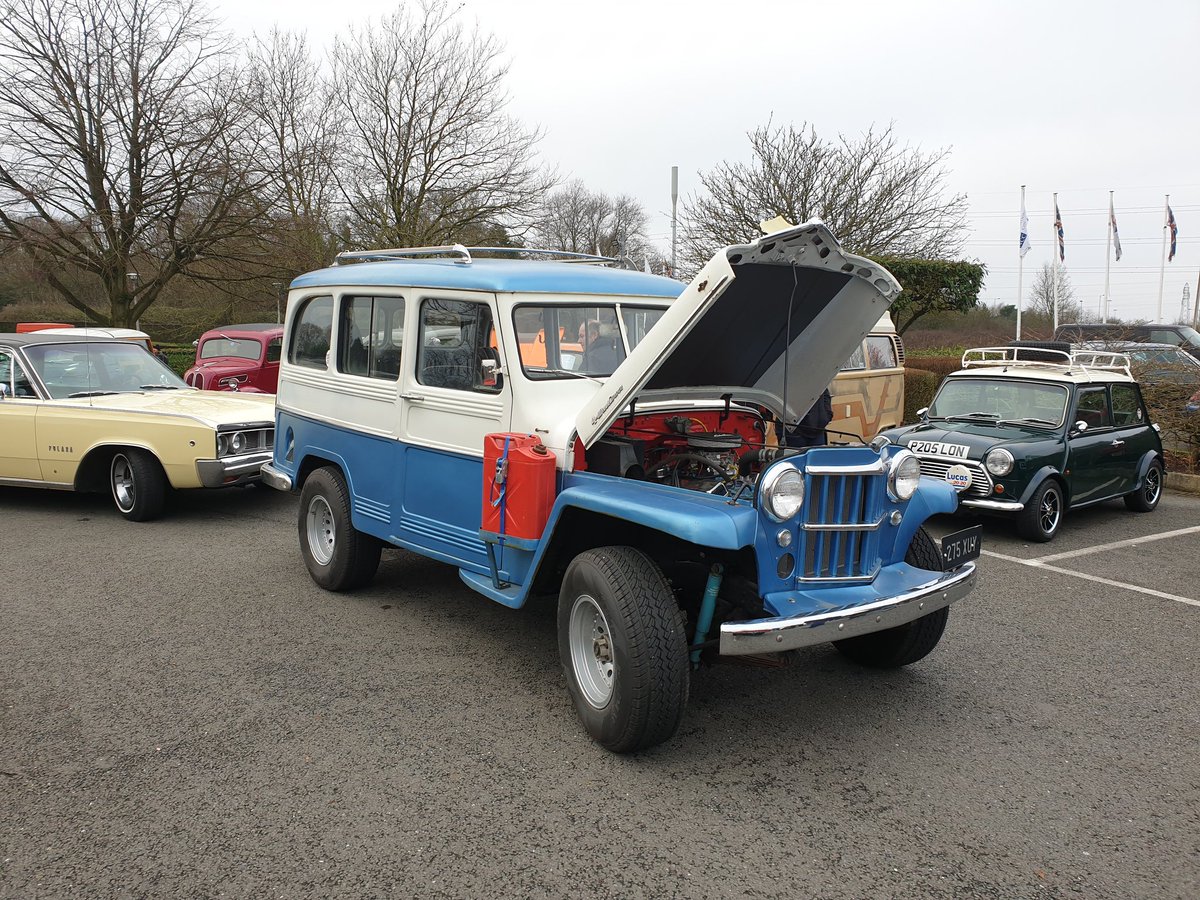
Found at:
<point>958,477</point>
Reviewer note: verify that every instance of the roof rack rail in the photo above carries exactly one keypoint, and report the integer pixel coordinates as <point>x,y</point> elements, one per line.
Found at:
<point>1081,361</point>
<point>463,255</point>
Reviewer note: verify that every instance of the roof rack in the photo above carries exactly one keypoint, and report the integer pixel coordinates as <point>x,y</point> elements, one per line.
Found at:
<point>462,255</point>
<point>1078,361</point>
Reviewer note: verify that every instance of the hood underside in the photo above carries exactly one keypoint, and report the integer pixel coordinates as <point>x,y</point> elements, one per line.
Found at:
<point>791,302</point>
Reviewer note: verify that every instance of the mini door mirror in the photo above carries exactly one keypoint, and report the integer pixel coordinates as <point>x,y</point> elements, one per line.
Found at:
<point>922,413</point>
<point>1081,426</point>
<point>489,372</point>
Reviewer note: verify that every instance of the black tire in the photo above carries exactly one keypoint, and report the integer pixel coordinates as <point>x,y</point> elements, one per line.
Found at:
<point>138,484</point>
<point>1145,499</point>
<point>1042,516</point>
<point>627,666</point>
<point>904,644</point>
<point>339,557</point>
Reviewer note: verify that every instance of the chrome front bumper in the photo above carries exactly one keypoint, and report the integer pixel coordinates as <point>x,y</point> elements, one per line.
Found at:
<point>231,470</point>
<point>1012,506</point>
<point>271,476</point>
<point>788,633</point>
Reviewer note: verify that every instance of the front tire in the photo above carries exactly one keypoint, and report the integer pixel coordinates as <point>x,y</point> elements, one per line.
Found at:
<point>622,641</point>
<point>1146,498</point>
<point>1040,520</point>
<point>138,485</point>
<point>904,644</point>
<point>339,557</point>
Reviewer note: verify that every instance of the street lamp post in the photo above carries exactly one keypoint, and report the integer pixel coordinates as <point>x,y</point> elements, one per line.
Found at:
<point>132,278</point>
<point>278,285</point>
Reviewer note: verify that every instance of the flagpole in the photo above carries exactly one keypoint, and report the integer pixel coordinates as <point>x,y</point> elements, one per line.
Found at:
<point>1020,269</point>
<point>1196,305</point>
<point>1162,266</point>
<point>1107,257</point>
<point>1054,262</point>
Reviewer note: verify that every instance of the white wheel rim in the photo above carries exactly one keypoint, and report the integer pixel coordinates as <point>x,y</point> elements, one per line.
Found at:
<point>1050,510</point>
<point>1153,485</point>
<point>122,482</point>
<point>591,651</point>
<point>322,534</point>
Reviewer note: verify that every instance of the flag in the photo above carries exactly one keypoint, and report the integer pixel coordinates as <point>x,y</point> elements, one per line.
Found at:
<point>1062,249</point>
<point>1112,219</point>
<point>1174,233</point>
<point>1025,242</point>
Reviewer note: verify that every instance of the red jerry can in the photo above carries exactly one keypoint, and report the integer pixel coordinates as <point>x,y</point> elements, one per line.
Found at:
<point>518,485</point>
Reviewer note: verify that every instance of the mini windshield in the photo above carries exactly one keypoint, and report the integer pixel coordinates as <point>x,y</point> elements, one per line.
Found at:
<point>996,399</point>
<point>244,348</point>
<point>91,369</point>
<point>575,340</point>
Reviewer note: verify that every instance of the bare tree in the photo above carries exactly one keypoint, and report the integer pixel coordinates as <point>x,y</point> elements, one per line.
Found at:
<point>877,195</point>
<point>431,152</point>
<point>1041,295</point>
<point>124,148</point>
<point>296,108</point>
<point>583,221</point>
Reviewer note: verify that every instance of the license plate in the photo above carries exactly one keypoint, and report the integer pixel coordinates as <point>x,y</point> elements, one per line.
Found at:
<point>961,546</point>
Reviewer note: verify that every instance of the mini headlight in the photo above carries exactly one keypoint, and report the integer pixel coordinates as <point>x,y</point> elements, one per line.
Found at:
<point>999,461</point>
<point>904,474</point>
<point>783,493</point>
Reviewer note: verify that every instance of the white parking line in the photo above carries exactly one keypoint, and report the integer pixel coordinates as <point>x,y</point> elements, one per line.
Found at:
<point>1129,542</point>
<point>1038,564</point>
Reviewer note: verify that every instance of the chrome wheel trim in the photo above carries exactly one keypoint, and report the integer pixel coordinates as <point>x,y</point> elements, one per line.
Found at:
<point>1153,485</point>
<point>1050,511</point>
<point>592,659</point>
<point>321,530</point>
<point>123,488</point>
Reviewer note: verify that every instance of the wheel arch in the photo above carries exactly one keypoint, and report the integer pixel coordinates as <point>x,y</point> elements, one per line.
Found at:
<point>1040,477</point>
<point>92,474</point>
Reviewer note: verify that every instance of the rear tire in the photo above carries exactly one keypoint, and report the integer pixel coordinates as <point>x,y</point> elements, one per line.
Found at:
<point>138,484</point>
<point>339,557</point>
<point>904,644</point>
<point>622,640</point>
<point>1145,499</point>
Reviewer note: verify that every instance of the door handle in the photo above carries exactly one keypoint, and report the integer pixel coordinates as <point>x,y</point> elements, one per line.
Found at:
<point>414,397</point>
<point>1118,444</point>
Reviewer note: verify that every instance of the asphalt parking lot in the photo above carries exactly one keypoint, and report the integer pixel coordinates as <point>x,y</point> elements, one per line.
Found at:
<point>183,713</point>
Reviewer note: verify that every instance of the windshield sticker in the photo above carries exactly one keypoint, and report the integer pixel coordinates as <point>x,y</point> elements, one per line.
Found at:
<point>954,451</point>
<point>958,477</point>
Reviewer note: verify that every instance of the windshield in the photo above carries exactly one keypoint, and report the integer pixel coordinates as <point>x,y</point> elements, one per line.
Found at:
<point>1172,357</point>
<point>573,340</point>
<point>1000,399</point>
<point>87,369</point>
<point>244,348</point>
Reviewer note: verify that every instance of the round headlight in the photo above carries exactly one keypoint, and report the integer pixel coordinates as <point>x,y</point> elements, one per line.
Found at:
<point>904,474</point>
<point>783,493</point>
<point>222,444</point>
<point>999,461</point>
<point>238,442</point>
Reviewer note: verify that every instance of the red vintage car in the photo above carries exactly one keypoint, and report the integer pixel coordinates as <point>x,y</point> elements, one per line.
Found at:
<point>238,358</point>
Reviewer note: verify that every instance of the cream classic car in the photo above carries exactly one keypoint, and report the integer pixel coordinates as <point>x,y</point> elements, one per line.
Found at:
<point>89,414</point>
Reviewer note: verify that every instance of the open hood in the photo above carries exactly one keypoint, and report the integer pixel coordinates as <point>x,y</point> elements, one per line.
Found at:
<point>728,332</point>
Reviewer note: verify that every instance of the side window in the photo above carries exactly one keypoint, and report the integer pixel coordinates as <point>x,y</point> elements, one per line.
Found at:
<point>856,361</point>
<point>311,334</point>
<point>456,337</point>
<point>1165,336</point>
<point>370,337</point>
<point>1126,405</point>
<point>12,376</point>
<point>1093,408</point>
<point>274,349</point>
<point>881,353</point>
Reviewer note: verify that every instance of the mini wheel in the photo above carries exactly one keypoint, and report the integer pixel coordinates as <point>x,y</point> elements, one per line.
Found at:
<point>1040,519</point>
<point>1146,498</point>
<point>339,557</point>
<point>622,641</point>
<point>138,484</point>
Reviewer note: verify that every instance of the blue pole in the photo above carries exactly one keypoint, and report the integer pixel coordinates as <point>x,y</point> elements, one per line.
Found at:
<point>708,606</point>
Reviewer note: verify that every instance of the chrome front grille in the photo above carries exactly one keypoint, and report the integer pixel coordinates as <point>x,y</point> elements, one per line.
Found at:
<point>981,482</point>
<point>843,510</point>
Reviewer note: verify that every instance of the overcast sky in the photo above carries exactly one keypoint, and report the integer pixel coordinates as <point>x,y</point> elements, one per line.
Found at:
<point>1075,97</point>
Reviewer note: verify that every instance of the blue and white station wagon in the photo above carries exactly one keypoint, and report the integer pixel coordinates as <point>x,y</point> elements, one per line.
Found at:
<point>548,424</point>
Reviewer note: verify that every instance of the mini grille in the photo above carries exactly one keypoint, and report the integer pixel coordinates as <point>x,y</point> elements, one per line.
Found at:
<point>981,482</point>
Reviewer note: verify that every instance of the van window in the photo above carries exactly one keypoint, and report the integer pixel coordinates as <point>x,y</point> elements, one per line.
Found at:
<point>311,334</point>
<point>456,336</point>
<point>557,340</point>
<point>856,361</point>
<point>370,337</point>
<point>881,352</point>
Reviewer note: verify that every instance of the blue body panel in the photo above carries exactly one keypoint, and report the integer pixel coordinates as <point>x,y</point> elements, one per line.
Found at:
<point>497,276</point>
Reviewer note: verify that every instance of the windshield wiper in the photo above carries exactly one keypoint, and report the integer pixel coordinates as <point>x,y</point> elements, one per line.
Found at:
<point>1029,420</point>
<point>974,415</point>
<point>90,394</point>
<point>160,387</point>
<point>550,371</point>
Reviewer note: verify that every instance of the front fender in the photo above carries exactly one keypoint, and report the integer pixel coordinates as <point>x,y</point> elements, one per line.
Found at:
<point>1036,480</point>
<point>933,497</point>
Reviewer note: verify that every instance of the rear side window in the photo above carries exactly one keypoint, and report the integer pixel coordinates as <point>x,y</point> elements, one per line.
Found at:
<point>881,352</point>
<point>1126,405</point>
<point>371,336</point>
<point>12,376</point>
<point>311,334</point>
<point>274,350</point>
